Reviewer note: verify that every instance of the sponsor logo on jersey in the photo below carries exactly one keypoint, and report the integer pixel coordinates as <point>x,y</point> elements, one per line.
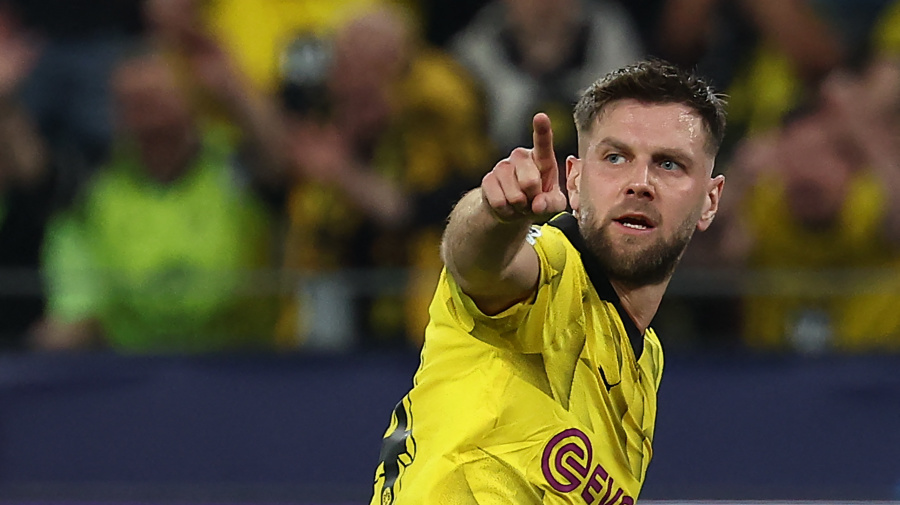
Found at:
<point>568,465</point>
<point>533,233</point>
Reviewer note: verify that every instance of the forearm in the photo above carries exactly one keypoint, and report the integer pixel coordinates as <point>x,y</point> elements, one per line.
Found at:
<point>53,334</point>
<point>799,32</point>
<point>484,245</point>
<point>377,197</point>
<point>685,28</point>
<point>263,130</point>
<point>22,155</point>
<point>881,155</point>
<point>489,259</point>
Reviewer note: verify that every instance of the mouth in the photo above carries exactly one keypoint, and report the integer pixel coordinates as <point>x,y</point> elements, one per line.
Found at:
<point>636,222</point>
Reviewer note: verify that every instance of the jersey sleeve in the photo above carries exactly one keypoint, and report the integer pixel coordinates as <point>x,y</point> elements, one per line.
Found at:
<point>522,327</point>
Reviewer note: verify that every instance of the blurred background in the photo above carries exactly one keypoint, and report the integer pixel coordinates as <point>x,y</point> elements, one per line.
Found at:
<point>219,229</point>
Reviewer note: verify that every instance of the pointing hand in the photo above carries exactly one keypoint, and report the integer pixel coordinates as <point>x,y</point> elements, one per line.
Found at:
<point>525,186</point>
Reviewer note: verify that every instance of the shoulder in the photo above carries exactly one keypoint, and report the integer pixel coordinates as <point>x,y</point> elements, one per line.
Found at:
<point>607,13</point>
<point>219,140</point>
<point>439,84</point>
<point>766,199</point>
<point>486,25</point>
<point>652,355</point>
<point>115,180</point>
<point>554,245</point>
<point>224,160</point>
<point>867,195</point>
<point>614,34</point>
<point>522,326</point>
<point>478,43</point>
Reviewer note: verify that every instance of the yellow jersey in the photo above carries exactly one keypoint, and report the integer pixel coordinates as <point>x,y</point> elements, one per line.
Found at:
<point>551,401</point>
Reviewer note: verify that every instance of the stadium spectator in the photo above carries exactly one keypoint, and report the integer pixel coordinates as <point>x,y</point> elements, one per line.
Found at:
<point>362,106</point>
<point>813,213</point>
<point>380,166</point>
<point>533,55</point>
<point>156,254</point>
<point>78,43</point>
<point>24,195</point>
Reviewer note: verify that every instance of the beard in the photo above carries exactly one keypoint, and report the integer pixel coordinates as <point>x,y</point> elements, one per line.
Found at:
<point>636,265</point>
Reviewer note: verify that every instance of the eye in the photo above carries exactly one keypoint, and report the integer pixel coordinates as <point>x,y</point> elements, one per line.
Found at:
<point>669,165</point>
<point>615,158</point>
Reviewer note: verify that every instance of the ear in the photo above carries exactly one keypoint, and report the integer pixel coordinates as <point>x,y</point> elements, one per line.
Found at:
<point>573,180</point>
<point>711,202</point>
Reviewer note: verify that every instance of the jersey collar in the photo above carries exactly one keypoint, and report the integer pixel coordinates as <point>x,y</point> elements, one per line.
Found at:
<point>569,226</point>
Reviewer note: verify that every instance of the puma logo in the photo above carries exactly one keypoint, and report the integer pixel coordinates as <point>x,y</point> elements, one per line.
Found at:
<point>606,382</point>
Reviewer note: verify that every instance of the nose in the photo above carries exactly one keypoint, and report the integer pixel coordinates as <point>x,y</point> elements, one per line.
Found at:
<point>639,183</point>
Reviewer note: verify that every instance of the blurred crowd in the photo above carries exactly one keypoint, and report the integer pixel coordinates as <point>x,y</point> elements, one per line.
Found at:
<point>257,175</point>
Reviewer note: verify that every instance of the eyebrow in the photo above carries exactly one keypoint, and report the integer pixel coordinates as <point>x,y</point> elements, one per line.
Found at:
<point>614,143</point>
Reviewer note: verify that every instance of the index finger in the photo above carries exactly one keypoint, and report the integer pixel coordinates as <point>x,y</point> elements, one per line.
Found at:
<point>543,154</point>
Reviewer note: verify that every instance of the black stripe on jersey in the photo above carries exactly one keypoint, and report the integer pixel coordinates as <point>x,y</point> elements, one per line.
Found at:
<point>569,226</point>
<point>394,446</point>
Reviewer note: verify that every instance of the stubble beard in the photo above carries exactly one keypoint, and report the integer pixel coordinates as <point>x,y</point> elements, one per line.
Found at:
<point>632,264</point>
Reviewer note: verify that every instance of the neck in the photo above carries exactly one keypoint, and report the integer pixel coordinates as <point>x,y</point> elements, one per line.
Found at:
<point>640,302</point>
<point>541,52</point>
<point>167,158</point>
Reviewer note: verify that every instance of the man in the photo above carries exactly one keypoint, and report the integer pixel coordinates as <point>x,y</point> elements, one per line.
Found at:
<point>26,191</point>
<point>379,166</point>
<point>155,255</point>
<point>539,372</point>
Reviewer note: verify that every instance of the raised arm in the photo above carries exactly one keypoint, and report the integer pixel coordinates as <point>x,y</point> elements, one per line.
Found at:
<point>22,151</point>
<point>484,244</point>
<point>799,32</point>
<point>252,111</point>
<point>862,109</point>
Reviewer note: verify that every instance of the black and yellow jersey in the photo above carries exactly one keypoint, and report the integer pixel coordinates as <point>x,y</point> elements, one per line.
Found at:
<point>550,401</point>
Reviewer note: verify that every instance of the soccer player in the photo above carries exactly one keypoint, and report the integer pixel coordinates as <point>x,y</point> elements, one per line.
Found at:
<point>539,371</point>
